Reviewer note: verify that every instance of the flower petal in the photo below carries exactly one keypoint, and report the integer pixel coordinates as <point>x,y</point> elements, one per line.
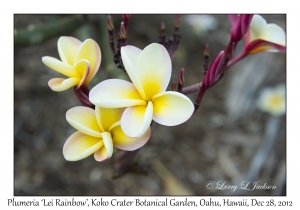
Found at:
<point>257,27</point>
<point>101,154</point>
<point>233,18</point>
<point>84,119</point>
<point>115,93</point>
<point>82,68</point>
<point>89,50</point>
<point>260,45</point>
<point>59,66</point>
<point>154,69</point>
<point>61,84</point>
<point>136,120</point>
<point>107,117</point>
<point>67,47</point>
<point>171,108</point>
<point>130,55</point>
<point>275,34</point>
<point>79,146</point>
<point>108,143</point>
<point>124,142</point>
<point>272,100</point>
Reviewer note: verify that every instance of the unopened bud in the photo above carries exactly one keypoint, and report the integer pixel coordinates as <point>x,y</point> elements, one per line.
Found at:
<point>214,70</point>
<point>181,77</point>
<point>206,50</point>
<point>174,86</point>
<point>162,26</point>
<point>109,23</point>
<point>245,23</point>
<point>125,17</point>
<point>236,31</point>
<point>240,25</point>
<point>177,21</point>
<point>233,18</point>
<point>122,33</point>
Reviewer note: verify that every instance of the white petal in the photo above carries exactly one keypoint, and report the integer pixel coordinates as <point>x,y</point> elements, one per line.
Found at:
<point>101,154</point>
<point>61,84</point>
<point>257,27</point>
<point>115,93</point>
<point>136,120</point>
<point>171,108</point>
<point>154,69</point>
<point>79,146</point>
<point>275,34</point>
<point>67,47</point>
<point>57,65</point>
<point>89,50</point>
<point>108,143</point>
<point>124,142</point>
<point>84,119</point>
<point>130,55</point>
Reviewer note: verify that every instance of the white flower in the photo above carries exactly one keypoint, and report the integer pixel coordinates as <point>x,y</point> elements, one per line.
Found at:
<point>146,97</point>
<point>272,100</point>
<point>264,37</point>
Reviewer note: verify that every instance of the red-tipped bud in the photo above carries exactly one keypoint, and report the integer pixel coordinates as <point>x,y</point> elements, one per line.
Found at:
<point>162,26</point>
<point>109,23</point>
<point>245,23</point>
<point>206,50</point>
<point>181,77</point>
<point>122,33</point>
<point>173,87</point>
<point>240,25</point>
<point>236,31</point>
<point>177,21</point>
<point>233,18</point>
<point>214,70</point>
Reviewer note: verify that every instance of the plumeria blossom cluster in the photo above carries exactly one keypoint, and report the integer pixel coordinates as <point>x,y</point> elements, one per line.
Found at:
<point>117,113</point>
<point>123,111</point>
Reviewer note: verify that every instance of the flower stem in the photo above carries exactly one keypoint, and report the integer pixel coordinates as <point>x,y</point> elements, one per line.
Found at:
<point>191,89</point>
<point>235,60</point>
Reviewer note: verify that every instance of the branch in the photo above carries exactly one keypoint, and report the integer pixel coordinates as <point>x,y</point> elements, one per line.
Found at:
<point>39,34</point>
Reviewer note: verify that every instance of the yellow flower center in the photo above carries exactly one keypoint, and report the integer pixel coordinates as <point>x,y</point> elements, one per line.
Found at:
<point>276,100</point>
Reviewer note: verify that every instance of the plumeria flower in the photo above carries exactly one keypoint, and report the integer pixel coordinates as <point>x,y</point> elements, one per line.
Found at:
<point>146,98</point>
<point>79,61</point>
<point>201,24</point>
<point>263,37</point>
<point>98,132</point>
<point>272,100</point>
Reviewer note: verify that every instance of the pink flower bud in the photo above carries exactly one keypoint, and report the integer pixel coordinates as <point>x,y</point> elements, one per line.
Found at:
<point>240,25</point>
<point>122,33</point>
<point>214,70</point>
<point>181,77</point>
<point>109,23</point>
<point>177,21</point>
<point>206,50</point>
<point>245,22</point>
<point>125,17</point>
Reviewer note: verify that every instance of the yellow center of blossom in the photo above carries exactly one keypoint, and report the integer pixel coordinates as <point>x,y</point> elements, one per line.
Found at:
<point>276,100</point>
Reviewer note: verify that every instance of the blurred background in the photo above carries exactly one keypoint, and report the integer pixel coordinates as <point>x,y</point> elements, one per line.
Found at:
<point>224,141</point>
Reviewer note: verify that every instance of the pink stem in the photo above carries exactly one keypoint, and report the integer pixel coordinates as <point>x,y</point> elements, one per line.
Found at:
<point>191,89</point>
<point>236,59</point>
